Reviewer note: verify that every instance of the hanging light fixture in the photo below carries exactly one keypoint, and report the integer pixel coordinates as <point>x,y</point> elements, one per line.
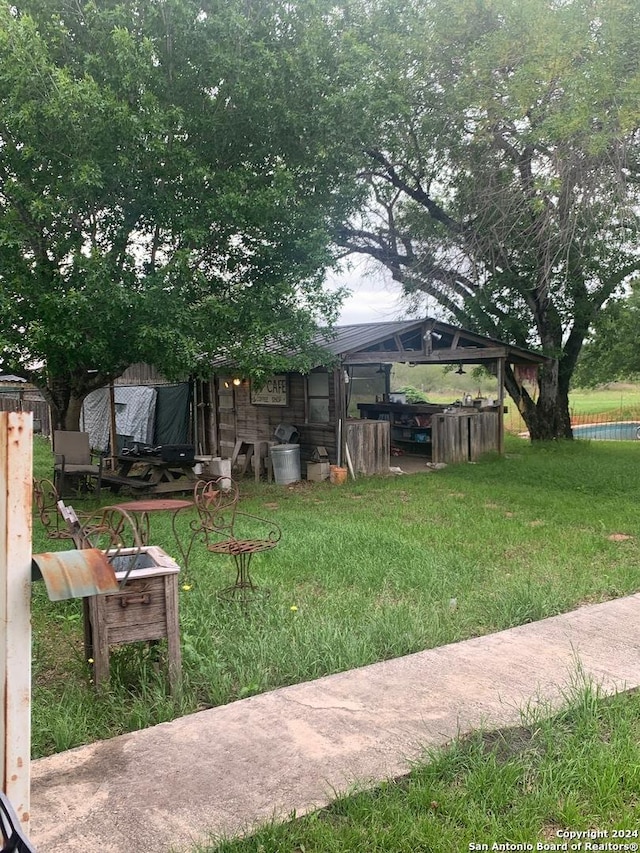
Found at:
<point>460,369</point>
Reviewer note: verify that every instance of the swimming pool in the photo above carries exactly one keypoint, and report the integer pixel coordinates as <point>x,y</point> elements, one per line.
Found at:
<point>616,431</point>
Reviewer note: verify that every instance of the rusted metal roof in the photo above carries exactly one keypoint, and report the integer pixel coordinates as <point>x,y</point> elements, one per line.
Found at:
<point>75,574</point>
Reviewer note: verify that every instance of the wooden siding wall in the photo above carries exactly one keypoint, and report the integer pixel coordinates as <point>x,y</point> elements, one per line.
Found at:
<point>143,374</point>
<point>237,419</point>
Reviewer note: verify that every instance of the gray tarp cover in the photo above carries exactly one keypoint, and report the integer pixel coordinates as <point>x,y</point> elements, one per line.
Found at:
<point>135,414</point>
<point>154,416</point>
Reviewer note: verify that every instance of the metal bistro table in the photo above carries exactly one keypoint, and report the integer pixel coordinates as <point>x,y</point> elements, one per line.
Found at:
<point>140,510</point>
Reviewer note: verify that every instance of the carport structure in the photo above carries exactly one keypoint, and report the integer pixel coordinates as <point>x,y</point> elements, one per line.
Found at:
<point>317,403</point>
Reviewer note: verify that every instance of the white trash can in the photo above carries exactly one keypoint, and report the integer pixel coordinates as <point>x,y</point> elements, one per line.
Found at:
<point>285,459</point>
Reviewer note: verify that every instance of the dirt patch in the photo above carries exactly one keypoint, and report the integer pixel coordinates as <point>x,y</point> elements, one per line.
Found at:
<point>619,537</point>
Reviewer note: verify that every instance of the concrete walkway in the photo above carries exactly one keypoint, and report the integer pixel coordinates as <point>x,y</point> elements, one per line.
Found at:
<point>226,770</point>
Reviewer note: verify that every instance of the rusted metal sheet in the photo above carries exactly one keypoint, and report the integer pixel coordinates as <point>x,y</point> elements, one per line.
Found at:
<point>75,574</point>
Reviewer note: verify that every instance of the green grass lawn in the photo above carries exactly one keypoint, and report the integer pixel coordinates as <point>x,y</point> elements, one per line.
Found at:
<point>575,772</point>
<point>364,572</point>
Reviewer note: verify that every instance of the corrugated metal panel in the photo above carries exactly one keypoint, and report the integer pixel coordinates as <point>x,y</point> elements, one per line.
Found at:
<point>350,340</point>
<point>75,574</point>
<point>345,339</point>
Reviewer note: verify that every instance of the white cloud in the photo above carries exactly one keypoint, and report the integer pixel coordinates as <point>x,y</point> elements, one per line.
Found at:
<point>374,296</point>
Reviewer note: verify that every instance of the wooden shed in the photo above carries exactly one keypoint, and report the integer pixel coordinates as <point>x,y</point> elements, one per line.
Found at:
<point>320,405</point>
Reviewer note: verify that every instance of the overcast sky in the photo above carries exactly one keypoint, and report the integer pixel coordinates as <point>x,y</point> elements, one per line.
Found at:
<point>374,297</point>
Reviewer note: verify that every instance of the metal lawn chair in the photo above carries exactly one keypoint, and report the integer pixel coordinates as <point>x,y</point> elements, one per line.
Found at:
<point>47,504</point>
<point>74,460</point>
<point>226,530</point>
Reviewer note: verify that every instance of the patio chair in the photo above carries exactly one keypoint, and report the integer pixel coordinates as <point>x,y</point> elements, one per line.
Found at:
<point>111,530</point>
<point>226,530</point>
<point>74,460</point>
<point>13,838</point>
<point>47,500</point>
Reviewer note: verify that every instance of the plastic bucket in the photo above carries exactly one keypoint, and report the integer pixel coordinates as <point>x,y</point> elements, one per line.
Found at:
<point>286,463</point>
<point>337,475</point>
<point>219,467</point>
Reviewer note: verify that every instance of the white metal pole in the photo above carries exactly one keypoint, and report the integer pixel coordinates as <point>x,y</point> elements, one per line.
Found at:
<point>16,454</point>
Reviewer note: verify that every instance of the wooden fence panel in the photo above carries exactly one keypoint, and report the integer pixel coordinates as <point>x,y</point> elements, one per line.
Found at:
<point>369,446</point>
<point>39,409</point>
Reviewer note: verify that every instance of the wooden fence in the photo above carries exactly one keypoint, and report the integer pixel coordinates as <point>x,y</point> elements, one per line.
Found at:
<point>40,409</point>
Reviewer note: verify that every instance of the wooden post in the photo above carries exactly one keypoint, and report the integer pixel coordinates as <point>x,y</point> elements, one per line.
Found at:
<point>16,453</point>
<point>501,380</point>
<point>113,435</point>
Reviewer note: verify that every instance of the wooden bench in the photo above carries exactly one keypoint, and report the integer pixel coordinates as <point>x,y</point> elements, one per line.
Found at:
<point>137,483</point>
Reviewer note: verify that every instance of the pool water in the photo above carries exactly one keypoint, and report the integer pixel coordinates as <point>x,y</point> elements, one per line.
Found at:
<point>617,431</point>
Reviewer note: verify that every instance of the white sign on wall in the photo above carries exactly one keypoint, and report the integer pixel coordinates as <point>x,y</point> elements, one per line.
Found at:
<point>273,392</point>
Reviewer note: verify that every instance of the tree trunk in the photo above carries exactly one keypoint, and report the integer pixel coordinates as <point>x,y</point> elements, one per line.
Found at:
<point>66,415</point>
<point>65,402</point>
<point>548,418</point>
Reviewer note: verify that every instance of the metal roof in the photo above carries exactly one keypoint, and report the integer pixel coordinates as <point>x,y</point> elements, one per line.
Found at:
<point>351,339</point>
<point>9,377</point>
<point>360,341</point>
<point>348,341</point>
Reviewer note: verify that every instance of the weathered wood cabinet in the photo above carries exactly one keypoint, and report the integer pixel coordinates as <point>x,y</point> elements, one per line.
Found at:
<point>368,444</point>
<point>145,608</point>
<point>440,435</point>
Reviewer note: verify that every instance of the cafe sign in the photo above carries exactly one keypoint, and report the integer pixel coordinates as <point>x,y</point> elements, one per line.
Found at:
<point>272,392</point>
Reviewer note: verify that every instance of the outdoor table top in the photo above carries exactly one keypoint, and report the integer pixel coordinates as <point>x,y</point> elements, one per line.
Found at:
<point>154,505</point>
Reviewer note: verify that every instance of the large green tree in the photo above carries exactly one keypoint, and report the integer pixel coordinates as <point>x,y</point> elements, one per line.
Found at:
<point>611,352</point>
<point>503,172</point>
<point>168,185</point>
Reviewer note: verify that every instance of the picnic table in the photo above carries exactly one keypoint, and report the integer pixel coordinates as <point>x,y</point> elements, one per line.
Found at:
<point>151,474</point>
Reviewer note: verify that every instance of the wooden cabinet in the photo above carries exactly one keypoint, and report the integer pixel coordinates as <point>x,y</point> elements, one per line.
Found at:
<point>410,426</point>
<point>437,433</point>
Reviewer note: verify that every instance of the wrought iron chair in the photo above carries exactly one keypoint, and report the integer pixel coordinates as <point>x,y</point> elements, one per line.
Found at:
<point>13,838</point>
<point>74,460</point>
<point>45,497</point>
<point>226,530</point>
<point>46,500</point>
<point>47,503</point>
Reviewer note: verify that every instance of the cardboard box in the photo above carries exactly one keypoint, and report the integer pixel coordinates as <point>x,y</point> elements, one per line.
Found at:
<point>317,471</point>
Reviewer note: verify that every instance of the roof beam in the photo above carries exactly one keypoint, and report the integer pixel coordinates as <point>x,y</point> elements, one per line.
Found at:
<point>469,355</point>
